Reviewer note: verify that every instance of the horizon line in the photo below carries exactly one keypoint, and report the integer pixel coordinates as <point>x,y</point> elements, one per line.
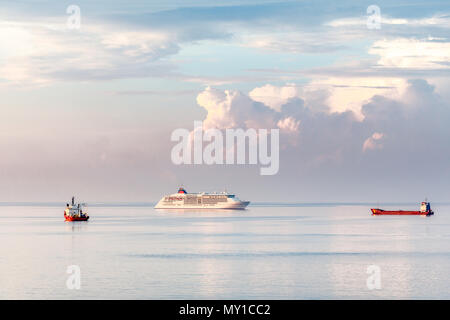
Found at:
<point>252,204</point>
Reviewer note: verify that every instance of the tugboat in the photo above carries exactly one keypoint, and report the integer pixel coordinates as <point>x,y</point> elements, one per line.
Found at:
<point>75,212</point>
<point>425,210</point>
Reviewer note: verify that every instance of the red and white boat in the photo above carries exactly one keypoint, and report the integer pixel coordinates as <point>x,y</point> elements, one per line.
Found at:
<point>76,212</point>
<point>425,210</point>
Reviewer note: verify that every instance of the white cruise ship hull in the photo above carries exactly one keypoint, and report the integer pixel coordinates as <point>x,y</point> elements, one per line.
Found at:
<point>241,205</point>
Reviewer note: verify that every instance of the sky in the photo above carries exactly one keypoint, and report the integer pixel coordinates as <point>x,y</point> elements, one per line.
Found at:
<point>363,109</point>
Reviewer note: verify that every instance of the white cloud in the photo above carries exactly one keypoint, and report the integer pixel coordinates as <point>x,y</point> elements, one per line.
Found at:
<point>412,53</point>
<point>351,90</point>
<point>351,93</point>
<point>336,136</point>
<point>36,53</point>
<point>440,20</point>
<point>289,125</point>
<point>139,43</point>
<point>231,109</point>
<point>373,142</point>
<point>294,40</point>
<point>274,96</point>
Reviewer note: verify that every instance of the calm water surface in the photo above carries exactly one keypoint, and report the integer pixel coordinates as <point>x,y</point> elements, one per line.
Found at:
<point>265,252</point>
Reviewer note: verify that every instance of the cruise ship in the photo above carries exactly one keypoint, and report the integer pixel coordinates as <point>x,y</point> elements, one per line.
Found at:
<point>184,200</point>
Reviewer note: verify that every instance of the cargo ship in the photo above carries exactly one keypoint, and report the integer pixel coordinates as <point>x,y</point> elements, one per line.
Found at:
<point>425,210</point>
<point>203,200</point>
<point>76,212</point>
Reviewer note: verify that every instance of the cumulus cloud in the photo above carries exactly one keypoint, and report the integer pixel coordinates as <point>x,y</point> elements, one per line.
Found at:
<point>297,118</point>
<point>323,135</point>
<point>289,125</point>
<point>289,128</point>
<point>349,86</point>
<point>394,126</point>
<point>351,93</point>
<point>373,142</point>
<point>233,109</point>
<point>274,96</point>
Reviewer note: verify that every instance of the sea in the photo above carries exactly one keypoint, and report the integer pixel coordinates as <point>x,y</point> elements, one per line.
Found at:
<point>268,251</point>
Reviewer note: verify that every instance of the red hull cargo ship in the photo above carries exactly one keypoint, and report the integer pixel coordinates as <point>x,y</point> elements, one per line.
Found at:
<point>75,212</point>
<point>425,210</point>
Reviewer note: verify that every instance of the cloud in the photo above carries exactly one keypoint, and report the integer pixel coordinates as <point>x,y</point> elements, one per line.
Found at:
<point>373,142</point>
<point>289,125</point>
<point>233,109</point>
<point>122,42</point>
<point>351,93</point>
<point>294,41</point>
<point>289,128</point>
<point>320,149</point>
<point>397,126</point>
<point>411,53</point>
<point>274,96</point>
<point>50,52</point>
<point>331,94</point>
<point>440,20</point>
<point>140,44</point>
<point>350,85</point>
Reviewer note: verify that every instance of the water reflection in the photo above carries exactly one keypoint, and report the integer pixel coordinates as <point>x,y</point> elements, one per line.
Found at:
<point>302,252</point>
<point>76,226</point>
<point>383,241</point>
<point>200,211</point>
